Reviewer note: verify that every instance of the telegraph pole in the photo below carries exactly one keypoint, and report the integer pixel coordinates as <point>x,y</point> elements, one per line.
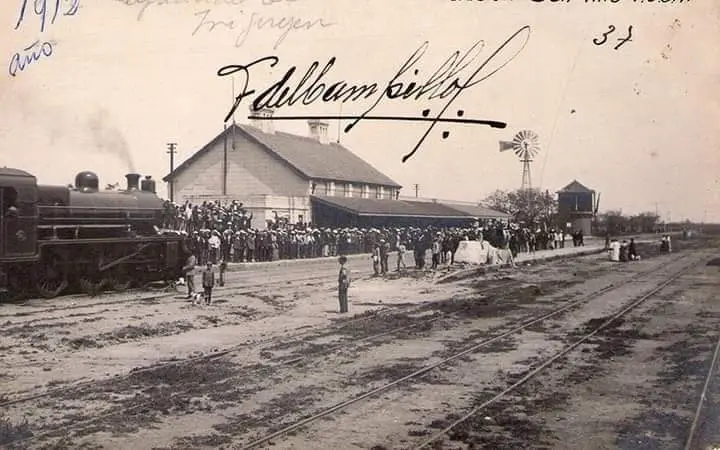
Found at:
<point>172,146</point>
<point>225,159</point>
<point>417,189</point>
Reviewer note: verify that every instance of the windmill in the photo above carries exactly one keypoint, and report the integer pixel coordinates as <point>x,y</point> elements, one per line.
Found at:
<point>525,144</point>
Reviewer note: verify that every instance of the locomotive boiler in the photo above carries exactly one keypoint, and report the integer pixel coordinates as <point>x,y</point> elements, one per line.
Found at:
<point>57,238</point>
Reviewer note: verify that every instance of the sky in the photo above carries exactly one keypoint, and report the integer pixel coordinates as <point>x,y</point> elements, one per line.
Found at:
<point>114,81</point>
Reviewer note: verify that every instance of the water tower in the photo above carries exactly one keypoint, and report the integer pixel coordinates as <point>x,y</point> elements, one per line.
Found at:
<point>577,205</point>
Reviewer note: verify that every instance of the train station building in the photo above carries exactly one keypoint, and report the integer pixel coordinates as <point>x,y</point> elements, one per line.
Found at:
<point>304,179</point>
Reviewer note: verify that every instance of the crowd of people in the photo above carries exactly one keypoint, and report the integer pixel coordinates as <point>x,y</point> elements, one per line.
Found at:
<point>222,233</point>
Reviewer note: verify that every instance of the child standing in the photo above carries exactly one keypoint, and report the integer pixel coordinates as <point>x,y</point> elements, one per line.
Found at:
<point>208,280</point>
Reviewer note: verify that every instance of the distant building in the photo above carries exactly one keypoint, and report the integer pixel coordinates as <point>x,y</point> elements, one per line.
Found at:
<point>576,206</point>
<point>275,174</point>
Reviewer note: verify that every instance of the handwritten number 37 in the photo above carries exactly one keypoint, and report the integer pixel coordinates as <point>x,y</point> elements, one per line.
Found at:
<point>611,29</point>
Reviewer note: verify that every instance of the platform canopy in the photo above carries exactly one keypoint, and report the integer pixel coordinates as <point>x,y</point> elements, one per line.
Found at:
<point>366,212</point>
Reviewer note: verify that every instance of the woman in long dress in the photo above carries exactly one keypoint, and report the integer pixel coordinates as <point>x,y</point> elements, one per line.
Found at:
<point>614,251</point>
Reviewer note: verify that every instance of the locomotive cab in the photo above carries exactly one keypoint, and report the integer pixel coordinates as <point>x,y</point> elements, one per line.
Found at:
<point>18,215</point>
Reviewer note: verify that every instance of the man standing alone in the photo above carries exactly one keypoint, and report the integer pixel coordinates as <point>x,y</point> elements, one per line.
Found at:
<point>384,256</point>
<point>343,284</point>
<point>189,270</point>
<point>436,248</point>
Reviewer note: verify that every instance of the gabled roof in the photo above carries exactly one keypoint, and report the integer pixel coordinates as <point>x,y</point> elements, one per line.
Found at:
<point>576,188</point>
<point>393,208</point>
<point>305,155</point>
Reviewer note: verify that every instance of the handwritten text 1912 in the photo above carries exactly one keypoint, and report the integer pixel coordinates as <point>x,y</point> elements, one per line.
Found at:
<point>46,13</point>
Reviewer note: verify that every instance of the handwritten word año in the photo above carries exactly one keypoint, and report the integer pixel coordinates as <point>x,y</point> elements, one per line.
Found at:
<point>611,29</point>
<point>456,74</point>
<point>46,10</point>
<point>284,25</point>
<point>34,52</point>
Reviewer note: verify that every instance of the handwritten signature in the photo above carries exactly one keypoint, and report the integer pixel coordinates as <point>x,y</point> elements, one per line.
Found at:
<point>455,75</point>
<point>43,10</point>
<point>257,22</point>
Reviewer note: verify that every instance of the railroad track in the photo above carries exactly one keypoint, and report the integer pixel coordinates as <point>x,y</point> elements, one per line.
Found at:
<point>483,343</point>
<point>215,355</point>
<point>18,397</point>
<point>345,324</point>
<point>21,396</point>
<point>691,438</point>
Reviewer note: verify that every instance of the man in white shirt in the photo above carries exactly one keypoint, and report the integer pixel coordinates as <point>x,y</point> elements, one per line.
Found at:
<point>214,242</point>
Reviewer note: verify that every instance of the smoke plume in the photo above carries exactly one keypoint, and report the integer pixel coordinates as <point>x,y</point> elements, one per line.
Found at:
<point>71,128</point>
<point>106,138</point>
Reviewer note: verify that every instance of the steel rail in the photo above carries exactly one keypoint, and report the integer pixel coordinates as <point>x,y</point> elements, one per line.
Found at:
<point>473,348</point>
<point>703,394</point>
<point>559,354</point>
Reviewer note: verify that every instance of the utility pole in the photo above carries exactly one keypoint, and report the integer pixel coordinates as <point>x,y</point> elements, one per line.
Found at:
<point>172,146</point>
<point>417,190</point>
<point>225,159</point>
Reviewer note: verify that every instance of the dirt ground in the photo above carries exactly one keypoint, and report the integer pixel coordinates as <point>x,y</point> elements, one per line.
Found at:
<point>150,370</point>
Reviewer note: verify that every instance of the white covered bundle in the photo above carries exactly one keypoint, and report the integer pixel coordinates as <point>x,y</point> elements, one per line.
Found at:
<point>476,252</point>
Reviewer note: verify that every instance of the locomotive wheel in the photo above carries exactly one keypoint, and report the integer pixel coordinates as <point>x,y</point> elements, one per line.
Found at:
<point>117,283</point>
<point>119,280</point>
<point>51,279</point>
<point>19,286</point>
<point>120,285</point>
<point>91,286</point>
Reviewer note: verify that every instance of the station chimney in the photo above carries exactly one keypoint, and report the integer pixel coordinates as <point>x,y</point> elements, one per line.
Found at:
<point>262,119</point>
<point>319,130</point>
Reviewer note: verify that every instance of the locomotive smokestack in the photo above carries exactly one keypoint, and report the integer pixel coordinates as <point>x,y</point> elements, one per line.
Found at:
<point>133,181</point>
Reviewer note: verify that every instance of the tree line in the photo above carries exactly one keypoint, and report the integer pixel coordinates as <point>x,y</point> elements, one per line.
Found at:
<point>537,208</point>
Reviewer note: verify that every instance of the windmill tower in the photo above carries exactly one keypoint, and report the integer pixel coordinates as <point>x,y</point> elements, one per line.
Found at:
<point>526,145</point>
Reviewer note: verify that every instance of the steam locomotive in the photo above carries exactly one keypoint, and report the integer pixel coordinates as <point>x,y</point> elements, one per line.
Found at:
<point>55,239</point>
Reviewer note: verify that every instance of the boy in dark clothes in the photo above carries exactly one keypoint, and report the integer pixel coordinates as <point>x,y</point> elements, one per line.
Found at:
<point>208,280</point>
